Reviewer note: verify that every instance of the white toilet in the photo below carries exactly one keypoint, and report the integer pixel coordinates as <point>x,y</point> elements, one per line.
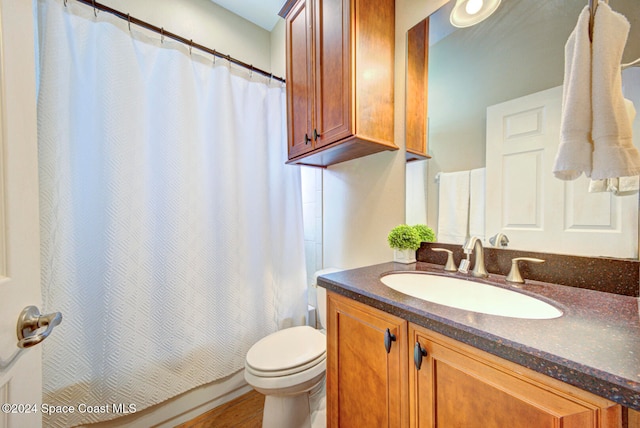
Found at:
<point>288,367</point>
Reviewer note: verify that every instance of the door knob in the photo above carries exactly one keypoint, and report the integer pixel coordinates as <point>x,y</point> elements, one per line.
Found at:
<point>29,321</point>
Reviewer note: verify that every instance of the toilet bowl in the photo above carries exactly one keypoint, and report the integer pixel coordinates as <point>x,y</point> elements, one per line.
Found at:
<point>288,367</point>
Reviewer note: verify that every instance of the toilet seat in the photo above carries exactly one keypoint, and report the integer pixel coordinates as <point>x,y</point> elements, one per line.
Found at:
<point>286,352</point>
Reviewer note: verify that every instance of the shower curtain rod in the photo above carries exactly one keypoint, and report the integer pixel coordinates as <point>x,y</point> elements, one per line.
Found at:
<point>164,33</point>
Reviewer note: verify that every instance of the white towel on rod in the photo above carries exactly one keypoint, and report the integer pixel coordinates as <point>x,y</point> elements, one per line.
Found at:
<point>614,154</point>
<point>477,202</point>
<point>453,207</point>
<point>574,153</point>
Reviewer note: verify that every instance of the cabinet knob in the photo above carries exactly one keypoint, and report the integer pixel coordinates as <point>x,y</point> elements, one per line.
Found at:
<point>418,353</point>
<point>388,338</point>
<point>315,135</point>
<point>307,140</point>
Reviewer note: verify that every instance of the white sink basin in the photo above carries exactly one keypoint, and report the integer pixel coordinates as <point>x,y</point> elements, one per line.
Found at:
<point>470,296</point>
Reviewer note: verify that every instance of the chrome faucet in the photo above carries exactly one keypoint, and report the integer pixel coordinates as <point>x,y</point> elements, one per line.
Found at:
<point>499,240</point>
<point>474,244</point>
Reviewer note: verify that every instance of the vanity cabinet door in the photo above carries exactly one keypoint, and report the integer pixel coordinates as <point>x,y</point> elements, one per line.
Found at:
<point>366,385</point>
<point>460,386</point>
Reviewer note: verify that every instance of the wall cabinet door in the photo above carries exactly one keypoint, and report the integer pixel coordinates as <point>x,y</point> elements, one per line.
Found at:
<point>366,385</point>
<point>299,79</point>
<point>333,86</point>
<point>460,386</point>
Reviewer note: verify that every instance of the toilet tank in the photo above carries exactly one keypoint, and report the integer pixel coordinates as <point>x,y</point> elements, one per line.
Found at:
<point>321,294</point>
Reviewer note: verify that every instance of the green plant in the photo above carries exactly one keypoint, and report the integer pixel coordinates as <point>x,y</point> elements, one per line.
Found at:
<point>425,232</point>
<point>403,237</point>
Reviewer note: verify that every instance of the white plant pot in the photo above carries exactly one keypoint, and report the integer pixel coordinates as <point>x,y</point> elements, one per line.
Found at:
<point>404,256</point>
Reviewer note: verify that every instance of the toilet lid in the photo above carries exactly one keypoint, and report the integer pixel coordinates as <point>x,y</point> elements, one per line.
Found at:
<point>287,349</point>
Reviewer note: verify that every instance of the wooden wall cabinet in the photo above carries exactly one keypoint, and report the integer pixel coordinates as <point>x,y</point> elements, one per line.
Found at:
<point>340,62</point>
<point>416,92</point>
<point>429,380</point>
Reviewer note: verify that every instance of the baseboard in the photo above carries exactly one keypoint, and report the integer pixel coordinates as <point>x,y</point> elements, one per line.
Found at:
<point>184,407</point>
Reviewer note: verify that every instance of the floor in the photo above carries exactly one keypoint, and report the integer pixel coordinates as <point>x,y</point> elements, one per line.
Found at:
<point>246,412</point>
<point>242,412</point>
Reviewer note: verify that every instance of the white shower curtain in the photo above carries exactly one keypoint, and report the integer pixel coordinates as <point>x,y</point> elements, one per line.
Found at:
<point>171,229</point>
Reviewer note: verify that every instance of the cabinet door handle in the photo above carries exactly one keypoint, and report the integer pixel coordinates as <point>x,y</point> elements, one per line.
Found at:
<point>315,135</point>
<point>388,338</point>
<point>307,140</point>
<point>418,353</point>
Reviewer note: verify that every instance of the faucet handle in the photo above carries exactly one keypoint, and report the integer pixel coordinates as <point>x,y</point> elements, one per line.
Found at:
<point>514,273</point>
<point>451,265</point>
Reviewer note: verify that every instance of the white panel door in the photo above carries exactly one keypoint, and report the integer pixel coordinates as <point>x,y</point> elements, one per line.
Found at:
<point>21,382</point>
<point>534,209</point>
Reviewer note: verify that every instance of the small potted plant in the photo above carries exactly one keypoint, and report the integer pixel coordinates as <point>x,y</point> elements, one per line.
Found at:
<point>425,232</point>
<point>404,240</point>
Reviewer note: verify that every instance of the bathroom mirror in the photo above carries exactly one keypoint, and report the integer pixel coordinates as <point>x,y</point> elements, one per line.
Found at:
<point>517,51</point>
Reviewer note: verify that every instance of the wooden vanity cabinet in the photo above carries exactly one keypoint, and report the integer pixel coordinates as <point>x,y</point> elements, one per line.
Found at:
<point>340,81</point>
<point>460,386</point>
<point>366,385</point>
<point>456,385</point>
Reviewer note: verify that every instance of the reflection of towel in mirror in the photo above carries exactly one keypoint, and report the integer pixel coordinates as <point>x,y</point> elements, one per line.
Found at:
<point>595,132</point>
<point>619,186</point>
<point>477,198</point>
<point>453,207</point>
<point>614,154</point>
<point>574,154</point>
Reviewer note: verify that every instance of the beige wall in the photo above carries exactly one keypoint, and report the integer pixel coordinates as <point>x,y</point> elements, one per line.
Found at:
<point>278,51</point>
<point>207,24</point>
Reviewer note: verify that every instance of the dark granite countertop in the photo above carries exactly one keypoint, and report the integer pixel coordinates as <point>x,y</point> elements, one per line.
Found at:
<point>594,346</point>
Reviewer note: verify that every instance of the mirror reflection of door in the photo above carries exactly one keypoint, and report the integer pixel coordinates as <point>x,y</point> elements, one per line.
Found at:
<point>530,205</point>
<point>517,51</point>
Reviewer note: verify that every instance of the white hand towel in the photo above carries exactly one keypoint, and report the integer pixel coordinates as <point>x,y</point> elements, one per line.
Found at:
<point>614,154</point>
<point>477,202</point>
<point>453,207</point>
<point>574,153</point>
<point>621,186</point>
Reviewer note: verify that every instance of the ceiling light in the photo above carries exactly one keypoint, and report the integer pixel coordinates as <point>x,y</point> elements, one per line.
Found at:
<point>470,12</point>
